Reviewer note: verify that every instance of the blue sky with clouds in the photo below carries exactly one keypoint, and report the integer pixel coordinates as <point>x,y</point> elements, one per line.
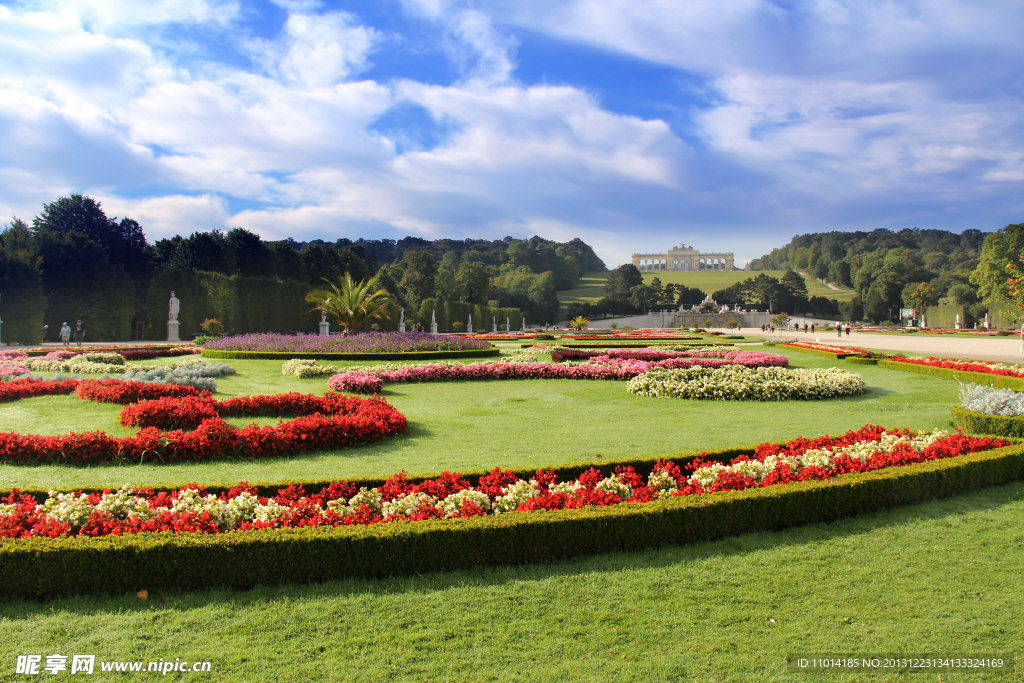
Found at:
<point>635,125</point>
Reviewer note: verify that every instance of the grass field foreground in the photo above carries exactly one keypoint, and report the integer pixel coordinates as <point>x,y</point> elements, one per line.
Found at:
<point>939,577</point>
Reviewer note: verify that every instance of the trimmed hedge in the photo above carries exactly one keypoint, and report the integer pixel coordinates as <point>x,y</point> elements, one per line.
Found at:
<point>407,355</point>
<point>634,345</point>
<point>980,423</point>
<point>39,567</point>
<point>998,381</point>
<point>819,352</point>
<point>857,360</point>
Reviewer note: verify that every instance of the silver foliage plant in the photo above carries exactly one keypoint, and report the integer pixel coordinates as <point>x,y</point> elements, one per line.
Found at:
<point>983,399</point>
<point>196,374</point>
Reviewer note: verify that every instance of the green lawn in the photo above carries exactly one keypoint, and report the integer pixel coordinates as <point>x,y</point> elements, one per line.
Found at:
<point>940,577</point>
<point>592,284</point>
<point>479,425</point>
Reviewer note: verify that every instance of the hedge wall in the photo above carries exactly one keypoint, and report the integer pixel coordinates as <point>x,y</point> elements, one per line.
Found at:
<point>819,352</point>
<point>447,313</point>
<point>998,381</point>
<point>407,355</point>
<point>243,304</point>
<point>117,564</point>
<point>980,423</point>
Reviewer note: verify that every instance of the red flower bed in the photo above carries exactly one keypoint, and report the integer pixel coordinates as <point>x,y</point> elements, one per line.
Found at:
<point>330,421</point>
<point>189,510</point>
<point>966,366</point>
<point>120,391</point>
<point>26,388</point>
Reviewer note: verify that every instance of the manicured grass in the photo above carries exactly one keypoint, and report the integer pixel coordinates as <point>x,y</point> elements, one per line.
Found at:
<point>592,285</point>
<point>940,578</point>
<point>480,425</point>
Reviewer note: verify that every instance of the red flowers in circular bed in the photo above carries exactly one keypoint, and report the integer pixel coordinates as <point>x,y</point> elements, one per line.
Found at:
<point>199,430</point>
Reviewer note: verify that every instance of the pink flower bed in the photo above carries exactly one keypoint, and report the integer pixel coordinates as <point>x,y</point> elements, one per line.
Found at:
<point>8,369</point>
<point>598,367</point>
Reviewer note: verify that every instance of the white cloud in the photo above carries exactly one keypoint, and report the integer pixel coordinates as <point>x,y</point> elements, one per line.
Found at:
<point>171,215</point>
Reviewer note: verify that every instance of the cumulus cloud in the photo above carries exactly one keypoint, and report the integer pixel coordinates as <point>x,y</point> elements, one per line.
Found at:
<point>818,115</point>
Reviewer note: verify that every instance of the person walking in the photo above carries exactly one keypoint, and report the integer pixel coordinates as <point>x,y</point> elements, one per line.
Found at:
<point>848,329</point>
<point>840,328</point>
<point>79,333</point>
<point>65,334</point>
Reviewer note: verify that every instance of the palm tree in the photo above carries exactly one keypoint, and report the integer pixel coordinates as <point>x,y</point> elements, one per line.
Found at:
<point>353,303</point>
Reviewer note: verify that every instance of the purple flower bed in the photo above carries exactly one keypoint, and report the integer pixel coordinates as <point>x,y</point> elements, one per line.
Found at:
<point>368,342</point>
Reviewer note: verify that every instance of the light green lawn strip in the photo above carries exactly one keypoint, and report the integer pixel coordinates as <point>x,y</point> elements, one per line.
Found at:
<point>942,577</point>
<point>591,287</point>
<point>479,425</point>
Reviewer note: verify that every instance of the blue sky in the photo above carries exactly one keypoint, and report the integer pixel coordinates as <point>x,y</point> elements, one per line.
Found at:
<point>731,125</point>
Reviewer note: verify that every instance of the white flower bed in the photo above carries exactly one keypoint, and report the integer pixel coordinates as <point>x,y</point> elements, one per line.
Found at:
<point>307,367</point>
<point>820,457</point>
<point>738,383</point>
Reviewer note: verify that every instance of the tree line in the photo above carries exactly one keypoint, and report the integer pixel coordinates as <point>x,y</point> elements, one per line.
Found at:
<point>911,268</point>
<point>74,262</point>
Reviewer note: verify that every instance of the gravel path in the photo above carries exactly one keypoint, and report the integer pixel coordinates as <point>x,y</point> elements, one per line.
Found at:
<point>1001,349</point>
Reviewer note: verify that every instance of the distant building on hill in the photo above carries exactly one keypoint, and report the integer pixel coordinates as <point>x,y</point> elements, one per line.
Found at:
<point>684,257</point>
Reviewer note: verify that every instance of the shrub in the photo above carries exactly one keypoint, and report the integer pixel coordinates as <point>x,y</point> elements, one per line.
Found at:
<point>212,326</point>
<point>734,382</point>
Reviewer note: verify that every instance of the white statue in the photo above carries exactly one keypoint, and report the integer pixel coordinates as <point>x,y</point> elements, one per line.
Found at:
<point>401,318</point>
<point>174,307</point>
<point>432,321</point>
<point>471,320</point>
<point>323,316</point>
<point>506,324</point>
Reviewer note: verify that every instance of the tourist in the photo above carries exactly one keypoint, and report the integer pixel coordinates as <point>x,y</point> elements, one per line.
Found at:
<point>79,333</point>
<point>65,334</point>
<point>848,329</point>
<point>805,328</point>
<point>812,328</point>
<point>46,331</point>
<point>840,328</point>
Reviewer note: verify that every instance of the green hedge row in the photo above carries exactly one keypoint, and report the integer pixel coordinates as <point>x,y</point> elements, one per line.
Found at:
<point>857,360</point>
<point>819,352</point>
<point>38,568</point>
<point>629,345</point>
<point>998,381</point>
<point>407,355</point>
<point>980,423</point>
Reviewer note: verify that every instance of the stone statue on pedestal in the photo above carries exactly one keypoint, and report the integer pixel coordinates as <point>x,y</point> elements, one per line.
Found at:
<point>507,326</point>
<point>401,321</point>
<point>469,327</point>
<point>173,308</point>
<point>494,324</point>
<point>433,323</point>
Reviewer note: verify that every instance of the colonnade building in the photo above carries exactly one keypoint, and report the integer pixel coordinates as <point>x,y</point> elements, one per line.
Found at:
<point>684,258</point>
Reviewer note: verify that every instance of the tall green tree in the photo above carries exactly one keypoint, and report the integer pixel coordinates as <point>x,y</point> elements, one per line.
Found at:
<point>622,280</point>
<point>1000,249</point>
<point>474,278</point>
<point>419,270</point>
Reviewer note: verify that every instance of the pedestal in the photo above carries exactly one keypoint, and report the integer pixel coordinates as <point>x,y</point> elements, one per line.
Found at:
<point>469,328</point>
<point>172,330</point>
<point>433,328</point>
<point>401,327</point>
<point>325,329</point>
<point>494,328</point>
